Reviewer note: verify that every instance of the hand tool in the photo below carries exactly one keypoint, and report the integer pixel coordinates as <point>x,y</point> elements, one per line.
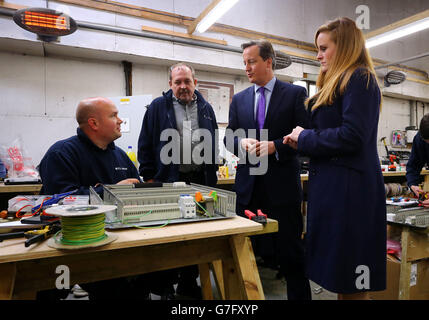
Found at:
<point>261,217</point>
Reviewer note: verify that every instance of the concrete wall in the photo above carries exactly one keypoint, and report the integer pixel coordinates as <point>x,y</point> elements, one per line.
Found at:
<point>41,84</point>
<point>38,96</point>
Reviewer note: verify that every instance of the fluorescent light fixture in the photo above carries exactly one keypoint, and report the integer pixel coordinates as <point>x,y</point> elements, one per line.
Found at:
<point>217,12</point>
<point>398,33</point>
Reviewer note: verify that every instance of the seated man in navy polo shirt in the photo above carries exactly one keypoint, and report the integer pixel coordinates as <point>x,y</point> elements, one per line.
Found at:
<point>90,158</point>
<point>419,158</point>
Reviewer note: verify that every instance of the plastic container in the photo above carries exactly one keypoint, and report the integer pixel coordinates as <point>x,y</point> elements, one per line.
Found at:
<point>132,155</point>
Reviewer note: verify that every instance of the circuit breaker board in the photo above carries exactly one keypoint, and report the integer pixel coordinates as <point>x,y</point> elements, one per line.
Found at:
<point>166,204</point>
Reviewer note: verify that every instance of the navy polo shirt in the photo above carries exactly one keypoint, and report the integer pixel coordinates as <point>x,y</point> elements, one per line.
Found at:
<point>77,163</point>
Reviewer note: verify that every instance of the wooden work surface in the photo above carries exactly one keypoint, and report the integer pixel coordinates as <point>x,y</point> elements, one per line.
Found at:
<point>14,250</point>
<point>222,245</point>
<point>226,180</point>
<point>304,177</point>
<point>17,188</point>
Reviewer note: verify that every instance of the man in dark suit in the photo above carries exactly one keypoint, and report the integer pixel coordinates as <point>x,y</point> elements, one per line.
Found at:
<point>270,109</point>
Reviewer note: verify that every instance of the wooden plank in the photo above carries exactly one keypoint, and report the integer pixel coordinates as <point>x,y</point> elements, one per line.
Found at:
<point>418,245</point>
<point>254,267</point>
<point>96,266</point>
<point>217,269</point>
<point>300,55</point>
<point>17,188</point>
<point>9,5</point>
<point>251,34</point>
<point>168,17</point>
<point>404,278</point>
<point>206,285</point>
<point>233,287</point>
<point>425,82</point>
<point>226,181</point>
<point>205,12</point>
<point>172,18</point>
<point>271,226</point>
<point>7,280</point>
<point>14,250</point>
<point>132,10</point>
<point>408,70</point>
<point>398,24</point>
<point>247,270</point>
<point>183,35</point>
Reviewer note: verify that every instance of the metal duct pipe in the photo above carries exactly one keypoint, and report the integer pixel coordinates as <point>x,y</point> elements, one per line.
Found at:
<point>413,115</point>
<point>7,12</point>
<point>402,61</point>
<point>190,42</point>
<point>145,34</point>
<point>155,36</point>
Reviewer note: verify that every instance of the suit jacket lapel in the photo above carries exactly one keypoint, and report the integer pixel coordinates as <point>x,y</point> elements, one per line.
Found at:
<point>248,108</point>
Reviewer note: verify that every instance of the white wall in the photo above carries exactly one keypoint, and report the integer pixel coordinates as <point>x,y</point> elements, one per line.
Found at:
<point>39,91</point>
<point>38,96</point>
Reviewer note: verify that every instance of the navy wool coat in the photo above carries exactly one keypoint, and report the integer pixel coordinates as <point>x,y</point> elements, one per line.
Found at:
<point>346,227</point>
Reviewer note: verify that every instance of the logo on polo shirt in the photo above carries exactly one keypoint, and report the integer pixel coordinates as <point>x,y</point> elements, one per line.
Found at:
<point>120,168</point>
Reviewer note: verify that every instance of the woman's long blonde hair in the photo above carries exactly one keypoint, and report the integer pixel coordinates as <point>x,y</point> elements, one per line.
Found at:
<point>350,54</point>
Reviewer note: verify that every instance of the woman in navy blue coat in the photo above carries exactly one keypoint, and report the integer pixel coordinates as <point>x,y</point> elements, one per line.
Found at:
<point>346,226</point>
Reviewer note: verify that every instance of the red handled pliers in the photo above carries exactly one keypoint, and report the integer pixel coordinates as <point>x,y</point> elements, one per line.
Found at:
<point>261,217</point>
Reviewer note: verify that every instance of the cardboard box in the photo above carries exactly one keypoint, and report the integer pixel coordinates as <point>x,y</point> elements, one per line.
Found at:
<point>419,281</point>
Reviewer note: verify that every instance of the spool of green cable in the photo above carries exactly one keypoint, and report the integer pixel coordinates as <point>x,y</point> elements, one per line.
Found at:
<point>82,230</point>
<point>81,226</point>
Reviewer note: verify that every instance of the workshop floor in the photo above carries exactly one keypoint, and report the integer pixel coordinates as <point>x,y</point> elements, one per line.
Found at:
<point>274,288</point>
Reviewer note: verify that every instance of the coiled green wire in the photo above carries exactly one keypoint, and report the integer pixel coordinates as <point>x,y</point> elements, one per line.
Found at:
<point>82,230</point>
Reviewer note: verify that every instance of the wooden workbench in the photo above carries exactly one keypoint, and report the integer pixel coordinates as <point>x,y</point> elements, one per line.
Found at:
<point>415,247</point>
<point>225,181</point>
<point>221,244</point>
<point>19,188</point>
<point>24,188</point>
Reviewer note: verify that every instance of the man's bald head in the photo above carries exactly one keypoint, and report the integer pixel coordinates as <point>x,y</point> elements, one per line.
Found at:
<point>98,119</point>
<point>90,108</point>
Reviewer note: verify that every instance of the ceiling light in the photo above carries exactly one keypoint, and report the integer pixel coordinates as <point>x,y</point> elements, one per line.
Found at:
<point>217,12</point>
<point>398,33</point>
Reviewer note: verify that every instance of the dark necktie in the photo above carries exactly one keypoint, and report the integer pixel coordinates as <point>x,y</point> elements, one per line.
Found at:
<point>260,113</point>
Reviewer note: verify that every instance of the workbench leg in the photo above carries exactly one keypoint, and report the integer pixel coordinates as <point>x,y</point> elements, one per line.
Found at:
<point>405,273</point>
<point>217,269</point>
<point>247,269</point>
<point>7,280</point>
<point>233,286</point>
<point>206,285</point>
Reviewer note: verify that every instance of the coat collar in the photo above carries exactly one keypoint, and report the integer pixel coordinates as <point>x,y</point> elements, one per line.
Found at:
<point>201,105</point>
